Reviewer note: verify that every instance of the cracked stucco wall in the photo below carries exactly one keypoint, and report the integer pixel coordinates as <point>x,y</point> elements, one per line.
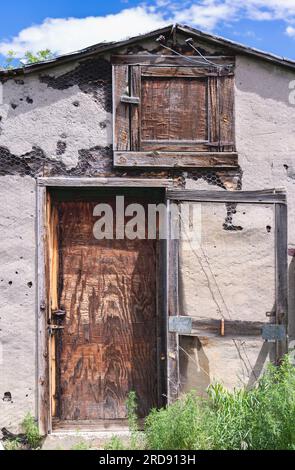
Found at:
<point>62,124</point>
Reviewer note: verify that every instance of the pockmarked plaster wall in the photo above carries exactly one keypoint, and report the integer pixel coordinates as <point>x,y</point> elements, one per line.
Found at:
<point>18,283</point>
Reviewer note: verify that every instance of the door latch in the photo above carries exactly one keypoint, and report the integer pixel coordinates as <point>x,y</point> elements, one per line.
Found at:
<point>54,328</point>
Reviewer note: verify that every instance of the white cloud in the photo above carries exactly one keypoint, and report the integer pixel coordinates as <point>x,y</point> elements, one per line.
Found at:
<point>63,35</point>
<point>290,31</point>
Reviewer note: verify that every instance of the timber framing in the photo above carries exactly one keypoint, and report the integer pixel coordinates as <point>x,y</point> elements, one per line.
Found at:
<point>224,327</point>
<point>160,159</point>
<point>168,269</point>
<point>45,380</point>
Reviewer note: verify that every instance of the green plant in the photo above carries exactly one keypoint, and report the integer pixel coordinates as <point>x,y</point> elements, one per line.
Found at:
<point>12,444</point>
<point>115,443</point>
<point>9,60</point>
<point>132,406</point>
<point>31,58</point>
<point>261,418</point>
<point>31,431</point>
<point>179,426</point>
<point>81,446</point>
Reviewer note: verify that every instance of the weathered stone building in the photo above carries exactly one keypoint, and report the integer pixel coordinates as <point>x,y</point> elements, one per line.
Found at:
<point>172,116</point>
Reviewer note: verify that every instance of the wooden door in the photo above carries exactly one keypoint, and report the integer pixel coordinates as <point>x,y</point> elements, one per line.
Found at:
<point>108,345</point>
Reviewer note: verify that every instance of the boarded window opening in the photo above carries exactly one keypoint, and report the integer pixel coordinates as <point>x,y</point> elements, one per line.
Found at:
<point>173,116</point>
<point>174,110</point>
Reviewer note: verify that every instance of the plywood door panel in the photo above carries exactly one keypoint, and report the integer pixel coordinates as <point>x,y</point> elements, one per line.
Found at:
<point>108,345</point>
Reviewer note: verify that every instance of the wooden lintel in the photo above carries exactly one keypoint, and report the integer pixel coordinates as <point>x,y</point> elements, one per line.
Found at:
<point>269,196</point>
<point>176,159</point>
<point>156,59</point>
<point>106,182</point>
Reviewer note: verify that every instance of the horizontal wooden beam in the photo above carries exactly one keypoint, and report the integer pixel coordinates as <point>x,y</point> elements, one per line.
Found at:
<point>183,72</point>
<point>269,196</point>
<point>176,159</point>
<point>106,182</point>
<point>214,327</point>
<point>156,59</point>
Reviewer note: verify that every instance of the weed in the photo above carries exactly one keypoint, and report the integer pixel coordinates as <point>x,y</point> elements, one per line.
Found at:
<point>31,431</point>
<point>81,446</point>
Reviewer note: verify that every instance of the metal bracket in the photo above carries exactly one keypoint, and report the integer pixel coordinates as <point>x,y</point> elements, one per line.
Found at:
<point>53,329</point>
<point>130,99</point>
<point>271,332</point>
<point>180,325</point>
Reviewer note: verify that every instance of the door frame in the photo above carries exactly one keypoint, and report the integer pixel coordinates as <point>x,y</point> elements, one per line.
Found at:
<point>168,266</point>
<point>44,407</point>
<point>274,197</point>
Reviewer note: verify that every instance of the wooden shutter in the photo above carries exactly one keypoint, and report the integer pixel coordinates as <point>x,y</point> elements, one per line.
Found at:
<point>221,113</point>
<point>152,130</point>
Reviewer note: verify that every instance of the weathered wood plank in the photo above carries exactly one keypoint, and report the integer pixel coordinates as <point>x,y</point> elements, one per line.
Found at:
<point>43,400</point>
<point>226,112</point>
<point>264,196</point>
<point>168,113</point>
<point>121,111</point>
<point>213,110</point>
<point>176,159</point>
<point>173,308</point>
<point>161,294</point>
<point>173,146</point>
<point>156,59</point>
<point>281,247</point>
<point>105,182</point>
<point>181,72</point>
<point>135,111</point>
<point>213,327</point>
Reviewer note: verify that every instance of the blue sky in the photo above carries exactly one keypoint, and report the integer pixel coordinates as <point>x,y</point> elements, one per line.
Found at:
<point>65,26</point>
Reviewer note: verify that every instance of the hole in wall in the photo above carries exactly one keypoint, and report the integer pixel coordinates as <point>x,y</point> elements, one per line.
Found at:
<point>7,396</point>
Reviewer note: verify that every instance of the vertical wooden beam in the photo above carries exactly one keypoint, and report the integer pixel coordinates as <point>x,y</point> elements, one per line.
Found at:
<point>121,111</point>
<point>135,109</point>
<point>173,379</point>
<point>281,243</point>
<point>43,402</point>
<point>161,323</point>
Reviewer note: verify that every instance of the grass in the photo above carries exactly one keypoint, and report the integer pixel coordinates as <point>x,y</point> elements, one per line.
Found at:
<point>81,446</point>
<point>256,419</point>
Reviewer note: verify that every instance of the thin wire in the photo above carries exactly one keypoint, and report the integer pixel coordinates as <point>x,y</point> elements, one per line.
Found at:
<point>205,59</point>
<point>183,56</point>
<point>190,59</point>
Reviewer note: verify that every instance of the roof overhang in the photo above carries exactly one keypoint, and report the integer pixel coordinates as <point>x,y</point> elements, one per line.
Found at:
<point>186,30</point>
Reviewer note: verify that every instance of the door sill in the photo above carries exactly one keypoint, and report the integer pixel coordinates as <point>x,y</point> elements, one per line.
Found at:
<point>112,425</point>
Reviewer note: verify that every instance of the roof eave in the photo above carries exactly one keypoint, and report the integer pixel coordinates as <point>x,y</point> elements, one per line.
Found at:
<point>108,46</point>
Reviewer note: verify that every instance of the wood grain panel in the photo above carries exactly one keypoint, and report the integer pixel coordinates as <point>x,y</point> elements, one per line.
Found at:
<point>174,109</point>
<point>108,345</point>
